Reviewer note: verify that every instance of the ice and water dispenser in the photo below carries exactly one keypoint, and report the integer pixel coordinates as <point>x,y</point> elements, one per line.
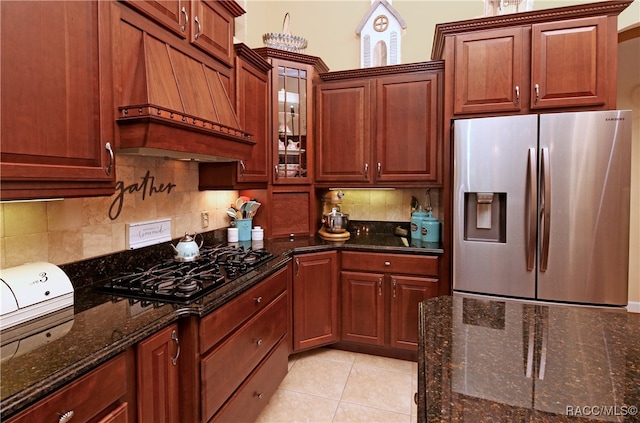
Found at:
<point>485,216</point>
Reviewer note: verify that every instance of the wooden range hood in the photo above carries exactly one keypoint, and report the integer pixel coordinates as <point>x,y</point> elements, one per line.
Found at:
<point>175,106</point>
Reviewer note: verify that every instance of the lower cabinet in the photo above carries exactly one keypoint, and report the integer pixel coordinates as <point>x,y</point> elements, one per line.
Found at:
<point>380,295</point>
<point>157,377</point>
<point>99,396</point>
<point>244,351</point>
<point>315,300</point>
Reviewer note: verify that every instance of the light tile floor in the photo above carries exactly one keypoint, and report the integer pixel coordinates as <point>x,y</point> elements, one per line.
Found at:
<point>329,385</point>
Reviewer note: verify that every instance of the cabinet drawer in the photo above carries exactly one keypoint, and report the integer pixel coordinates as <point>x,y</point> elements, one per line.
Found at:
<point>253,396</point>
<point>218,324</point>
<point>86,397</point>
<point>390,263</point>
<point>224,369</point>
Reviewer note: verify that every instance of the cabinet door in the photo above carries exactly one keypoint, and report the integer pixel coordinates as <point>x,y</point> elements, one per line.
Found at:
<point>56,108</point>
<point>489,71</point>
<point>252,105</point>
<point>407,128</point>
<point>406,293</point>
<point>290,211</point>
<point>315,300</point>
<point>157,377</point>
<point>362,308</point>
<point>212,28</point>
<point>343,117</point>
<point>569,63</point>
<point>171,14</point>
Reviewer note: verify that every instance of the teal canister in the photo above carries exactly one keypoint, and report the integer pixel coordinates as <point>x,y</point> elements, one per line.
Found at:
<point>416,222</point>
<point>430,228</point>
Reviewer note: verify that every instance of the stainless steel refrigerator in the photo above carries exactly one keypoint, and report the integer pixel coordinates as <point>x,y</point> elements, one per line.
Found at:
<point>541,206</point>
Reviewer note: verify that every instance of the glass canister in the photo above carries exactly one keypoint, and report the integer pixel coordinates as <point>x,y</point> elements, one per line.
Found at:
<point>416,223</point>
<point>430,228</point>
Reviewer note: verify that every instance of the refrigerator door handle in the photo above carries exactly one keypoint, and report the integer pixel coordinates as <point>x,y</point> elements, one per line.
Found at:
<point>531,200</point>
<point>545,207</point>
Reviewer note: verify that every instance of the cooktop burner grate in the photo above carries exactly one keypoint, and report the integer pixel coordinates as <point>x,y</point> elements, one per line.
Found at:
<point>184,282</point>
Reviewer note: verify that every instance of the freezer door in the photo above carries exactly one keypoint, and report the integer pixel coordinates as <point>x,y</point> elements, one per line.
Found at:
<point>584,230</point>
<point>494,225</point>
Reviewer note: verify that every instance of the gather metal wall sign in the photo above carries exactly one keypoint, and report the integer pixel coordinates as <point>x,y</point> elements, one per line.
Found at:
<point>147,187</point>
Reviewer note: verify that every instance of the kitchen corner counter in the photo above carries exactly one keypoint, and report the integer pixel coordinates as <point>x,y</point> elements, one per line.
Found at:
<point>100,326</point>
<point>515,361</point>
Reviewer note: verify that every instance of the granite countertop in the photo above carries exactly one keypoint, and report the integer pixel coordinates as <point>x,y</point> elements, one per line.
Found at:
<point>514,361</point>
<point>100,326</point>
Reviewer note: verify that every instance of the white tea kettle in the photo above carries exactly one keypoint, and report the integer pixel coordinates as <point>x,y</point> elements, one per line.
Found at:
<point>187,248</point>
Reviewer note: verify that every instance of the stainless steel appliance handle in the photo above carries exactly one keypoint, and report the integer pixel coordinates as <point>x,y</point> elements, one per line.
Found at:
<point>530,216</point>
<point>174,337</point>
<point>545,209</point>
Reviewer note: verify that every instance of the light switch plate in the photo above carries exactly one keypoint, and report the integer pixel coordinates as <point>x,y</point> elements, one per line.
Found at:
<point>142,234</point>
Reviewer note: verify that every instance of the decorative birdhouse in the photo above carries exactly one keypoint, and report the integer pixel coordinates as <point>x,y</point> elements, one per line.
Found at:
<point>380,32</point>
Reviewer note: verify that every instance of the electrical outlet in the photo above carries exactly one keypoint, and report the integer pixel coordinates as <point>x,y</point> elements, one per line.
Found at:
<point>204,219</point>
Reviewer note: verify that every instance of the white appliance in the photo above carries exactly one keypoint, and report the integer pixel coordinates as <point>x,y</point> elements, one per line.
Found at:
<point>32,290</point>
<point>542,206</point>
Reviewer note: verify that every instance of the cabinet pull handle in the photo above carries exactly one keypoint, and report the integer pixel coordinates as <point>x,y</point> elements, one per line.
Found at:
<point>275,172</point>
<point>174,337</point>
<point>242,168</point>
<point>197,34</point>
<point>259,342</point>
<point>65,417</point>
<point>107,147</point>
<point>517,95</point>
<point>537,88</point>
<point>366,170</point>
<point>186,19</point>
<point>297,267</point>
<point>379,168</point>
<point>395,284</point>
<point>379,286</point>
<point>258,300</point>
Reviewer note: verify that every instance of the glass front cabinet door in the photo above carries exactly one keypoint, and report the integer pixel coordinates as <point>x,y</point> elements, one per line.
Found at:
<point>292,87</point>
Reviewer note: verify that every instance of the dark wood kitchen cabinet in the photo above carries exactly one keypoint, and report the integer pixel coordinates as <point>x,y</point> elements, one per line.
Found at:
<point>157,377</point>
<point>207,24</point>
<point>99,396</point>
<point>562,58</point>
<point>57,119</point>
<point>380,126</point>
<point>315,300</point>
<point>252,94</point>
<point>380,295</point>
<point>244,351</point>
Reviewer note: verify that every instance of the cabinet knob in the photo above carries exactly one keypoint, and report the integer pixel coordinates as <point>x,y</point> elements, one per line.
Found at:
<point>259,342</point>
<point>65,417</point>
<point>259,395</point>
<point>258,300</point>
<point>387,263</point>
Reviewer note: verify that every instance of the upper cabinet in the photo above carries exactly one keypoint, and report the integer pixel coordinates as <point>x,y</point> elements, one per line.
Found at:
<point>380,126</point>
<point>561,58</point>
<point>208,24</point>
<point>57,121</point>
<point>292,79</point>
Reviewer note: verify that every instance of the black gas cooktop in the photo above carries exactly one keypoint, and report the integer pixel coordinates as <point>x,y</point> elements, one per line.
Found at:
<point>184,282</point>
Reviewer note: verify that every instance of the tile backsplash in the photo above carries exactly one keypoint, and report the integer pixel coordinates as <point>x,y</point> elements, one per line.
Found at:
<point>387,205</point>
<point>75,229</point>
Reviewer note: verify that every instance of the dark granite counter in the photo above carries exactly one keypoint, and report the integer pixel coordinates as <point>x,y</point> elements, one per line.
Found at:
<point>100,326</point>
<point>498,360</point>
